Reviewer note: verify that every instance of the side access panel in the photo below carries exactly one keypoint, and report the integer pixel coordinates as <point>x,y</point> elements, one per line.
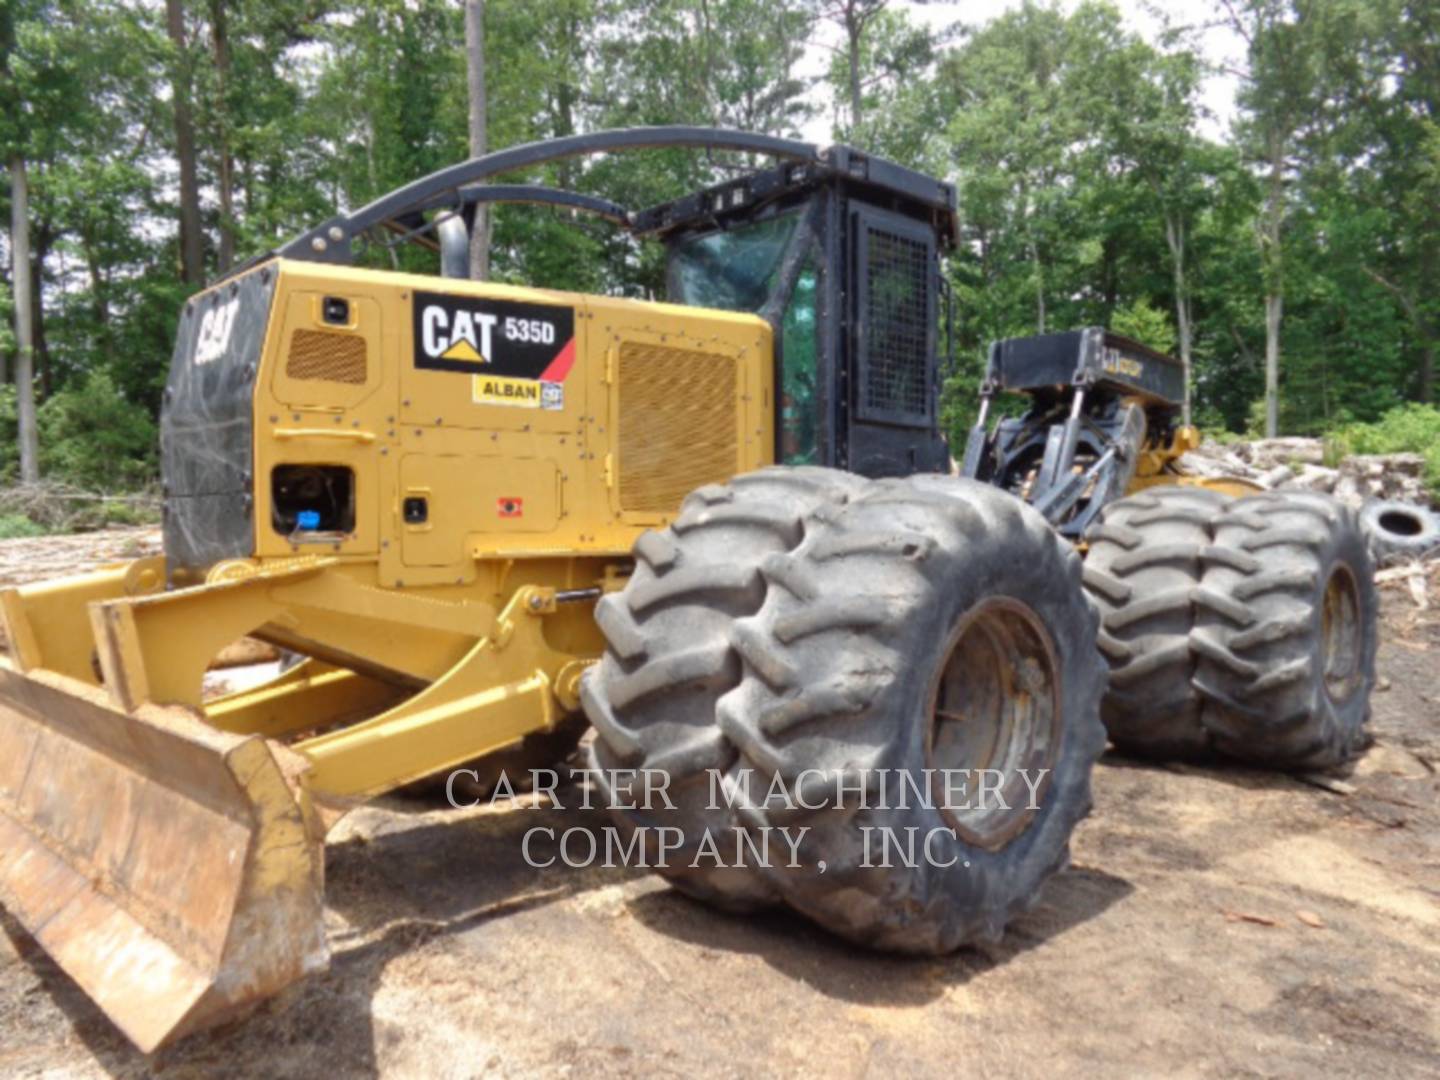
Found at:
<point>459,492</point>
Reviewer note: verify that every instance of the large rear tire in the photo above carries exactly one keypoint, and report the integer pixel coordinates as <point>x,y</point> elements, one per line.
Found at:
<point>931,623</point>
<point>1286,647</point>
<point>669,660</point>
<point>1144,563</point>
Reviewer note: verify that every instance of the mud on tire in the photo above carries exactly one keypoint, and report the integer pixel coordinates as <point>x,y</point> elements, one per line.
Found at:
<point>931,622</point>
<point>1145,560</point>
<point>1286,641</point>
<point>669,659</point>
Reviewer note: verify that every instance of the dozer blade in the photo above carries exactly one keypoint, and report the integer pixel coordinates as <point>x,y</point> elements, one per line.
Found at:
<point>167,866</point>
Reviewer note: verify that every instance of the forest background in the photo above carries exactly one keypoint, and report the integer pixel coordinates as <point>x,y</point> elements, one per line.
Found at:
<point>1289,252</point>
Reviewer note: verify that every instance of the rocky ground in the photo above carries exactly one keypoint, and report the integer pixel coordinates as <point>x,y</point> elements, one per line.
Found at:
<point>1215,922</point>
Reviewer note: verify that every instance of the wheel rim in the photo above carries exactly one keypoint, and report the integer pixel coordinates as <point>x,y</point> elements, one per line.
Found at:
<point>994,705</point>
<point>1341,638</point>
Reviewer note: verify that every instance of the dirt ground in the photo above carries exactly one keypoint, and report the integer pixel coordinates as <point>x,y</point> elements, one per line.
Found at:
<point>1215,922</point>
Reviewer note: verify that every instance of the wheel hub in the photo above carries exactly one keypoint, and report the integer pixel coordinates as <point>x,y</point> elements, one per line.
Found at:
<point>1341,638</point>
<point>995,717</point>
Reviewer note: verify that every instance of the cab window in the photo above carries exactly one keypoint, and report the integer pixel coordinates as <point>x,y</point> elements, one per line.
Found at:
<point>799,402</point>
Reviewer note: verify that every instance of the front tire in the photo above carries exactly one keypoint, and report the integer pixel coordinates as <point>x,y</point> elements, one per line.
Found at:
<point>669,659</point>
<point>932,623</point>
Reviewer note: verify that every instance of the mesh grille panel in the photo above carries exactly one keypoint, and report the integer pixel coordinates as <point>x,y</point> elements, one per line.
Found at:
<point>897,319</point>
<point>321,354</point>
<point>677,424</point>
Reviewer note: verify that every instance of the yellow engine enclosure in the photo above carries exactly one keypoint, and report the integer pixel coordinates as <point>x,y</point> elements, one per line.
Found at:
<point>660,400</point>
<point>167,849</point>
<point>536,485</point>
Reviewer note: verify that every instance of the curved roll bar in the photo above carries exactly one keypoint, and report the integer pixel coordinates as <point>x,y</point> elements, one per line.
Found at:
<point>531,194</point>
<point>455,186</point>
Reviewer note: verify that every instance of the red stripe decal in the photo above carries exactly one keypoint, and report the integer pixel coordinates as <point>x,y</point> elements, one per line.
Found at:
<point>561,365</point>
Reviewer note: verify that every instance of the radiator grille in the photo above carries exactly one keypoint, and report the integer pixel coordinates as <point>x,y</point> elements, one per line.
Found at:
<point>325,355</point>
<point>897,324</point>
<point>677,424</point>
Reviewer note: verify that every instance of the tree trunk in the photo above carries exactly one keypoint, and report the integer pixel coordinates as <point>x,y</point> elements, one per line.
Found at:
<point>1274,303</point>
<point>246,170</point>
<point>1273,266</point>
<point>1039,292</point>
<point>192,250</point>
<point>220,41</point>
<point>1110,275</point>
<point>4,356</point>
<point>99,300</point>
<point>707,67</point>
<point>1182,323</point>
<point>565,96</point>
<point>475,83</point>
<point>1427,331</point>
<point>24,329</point>
<point>853,28</point>
<point>42,242</point>
<point>1428,327</point>
<point>1039,270</point>
<point>1175,238</point>
<point>372,173</point>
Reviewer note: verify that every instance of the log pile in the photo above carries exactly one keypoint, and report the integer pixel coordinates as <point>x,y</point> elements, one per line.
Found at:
<point>1299,463</point>
<point>41,557</point>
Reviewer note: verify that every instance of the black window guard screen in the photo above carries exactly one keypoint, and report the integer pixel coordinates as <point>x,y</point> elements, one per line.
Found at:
<point>895,318</point>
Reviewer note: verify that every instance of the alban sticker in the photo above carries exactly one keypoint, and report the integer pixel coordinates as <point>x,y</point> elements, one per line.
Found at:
<point>489,390</point>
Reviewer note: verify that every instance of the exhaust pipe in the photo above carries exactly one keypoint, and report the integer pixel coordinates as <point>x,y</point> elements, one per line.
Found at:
<point>454,246</point>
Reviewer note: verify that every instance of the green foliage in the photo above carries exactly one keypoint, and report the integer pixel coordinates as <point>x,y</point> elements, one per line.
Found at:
<point>50,508</point>
<point>9,447</point>
<point>1223,436</point>
<point>1255,419</point>
<point>7,315</point>
<point>901,110</point>
<point>18,527</point>
<point>102,513</point>
<point>90,436</point>
<point>1144,323</point>
<point>1406,429</point>
<point>1086,196</point>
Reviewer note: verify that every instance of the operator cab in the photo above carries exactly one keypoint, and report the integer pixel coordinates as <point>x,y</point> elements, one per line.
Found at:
<point>842,258</point>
